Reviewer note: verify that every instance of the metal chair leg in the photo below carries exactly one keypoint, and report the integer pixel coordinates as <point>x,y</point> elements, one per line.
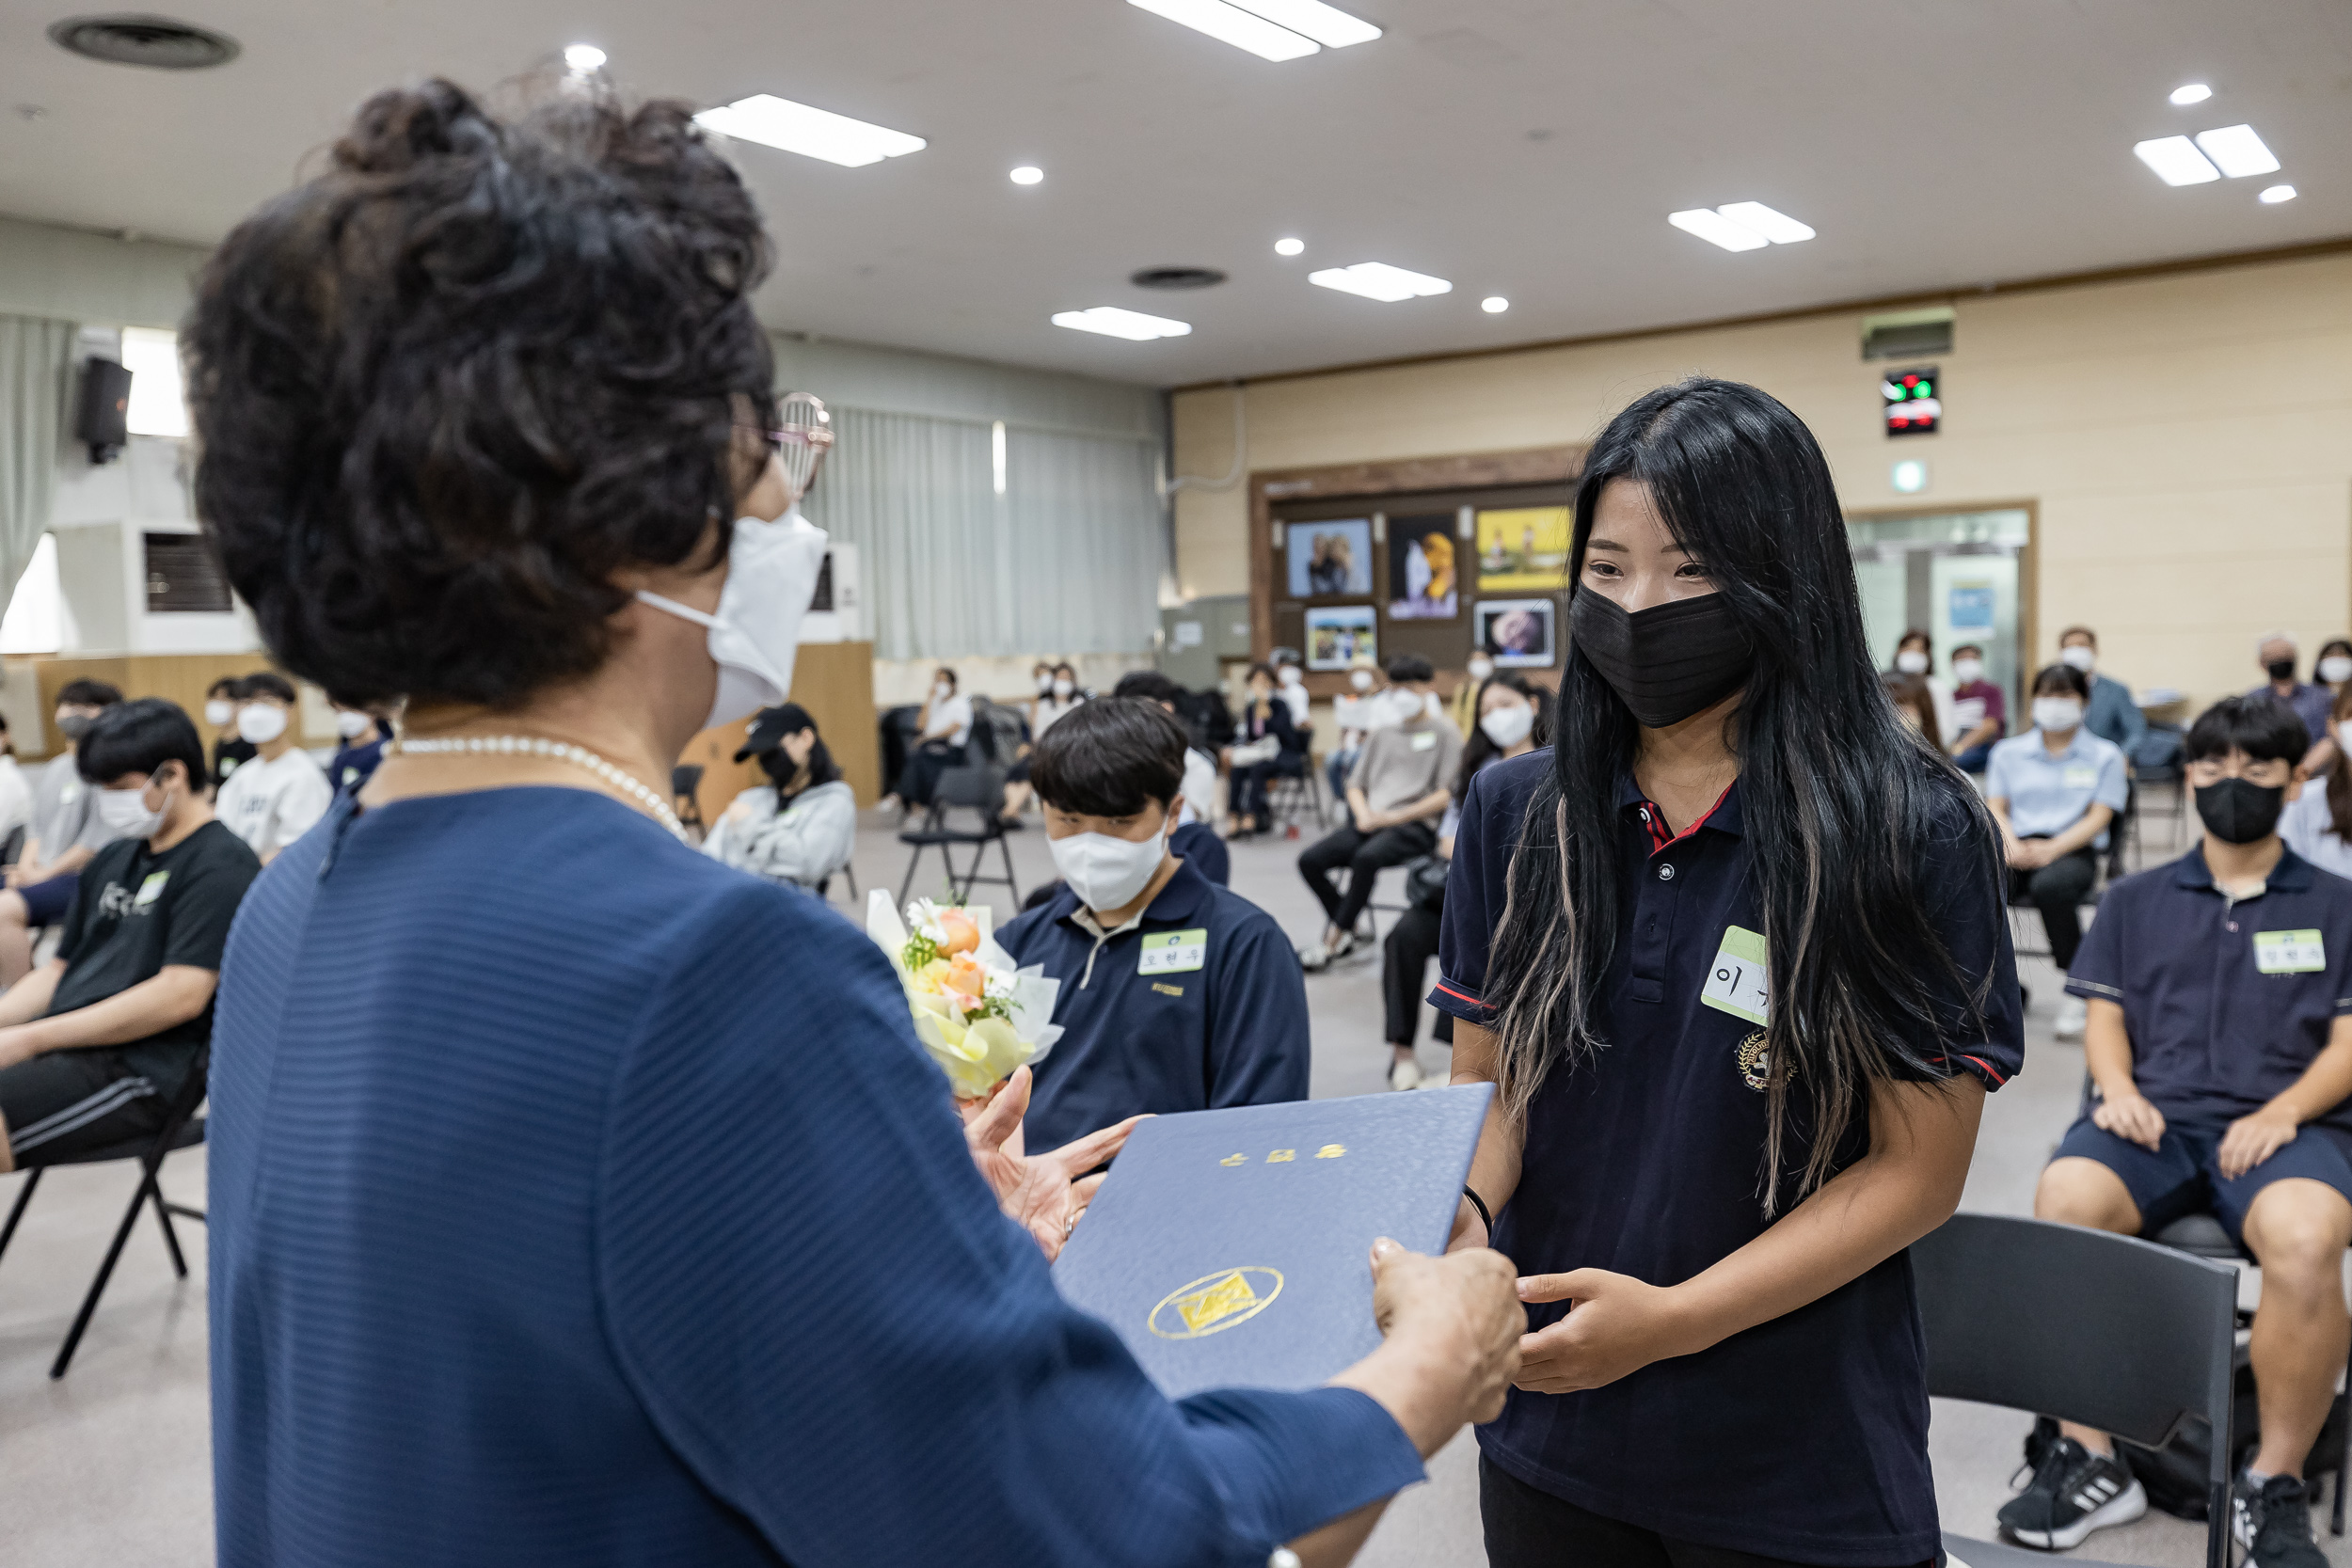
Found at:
<point>98,1286</point>
<point>32,1179</point>
<point>908,880</point>
<point>172,1237</point>
<point>1012,887</point>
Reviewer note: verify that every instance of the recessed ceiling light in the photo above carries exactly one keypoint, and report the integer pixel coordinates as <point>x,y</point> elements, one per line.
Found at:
<point>1027,174</point>
<point>2277,194</point>
<point>1234,25</point>
<point>1289,247</point>
<point>1381,281</point>
<point>2192,92</point>
<point>2176,161</point>
<point>1328,26</point>
<point>583,56</point>
<point>1494,305</point>
<point>774,121</point>
<point>1133,326</point>
<point>1779,228</point>
<point>1715,228</point>
<point>2239,151</point>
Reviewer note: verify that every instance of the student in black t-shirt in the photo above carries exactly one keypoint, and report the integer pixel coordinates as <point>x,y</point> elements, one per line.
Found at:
<point>221,701</point>
<point>95,1043</point>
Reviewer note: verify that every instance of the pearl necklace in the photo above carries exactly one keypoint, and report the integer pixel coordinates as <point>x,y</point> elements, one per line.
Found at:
<point>539,746</point>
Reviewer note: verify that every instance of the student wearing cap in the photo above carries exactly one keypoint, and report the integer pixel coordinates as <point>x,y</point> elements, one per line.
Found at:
<point>2219,990</point>
<point>1176,994</point>
<point>800,827</point>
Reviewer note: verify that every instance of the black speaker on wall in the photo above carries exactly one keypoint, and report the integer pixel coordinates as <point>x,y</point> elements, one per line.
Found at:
<point>101,420</point>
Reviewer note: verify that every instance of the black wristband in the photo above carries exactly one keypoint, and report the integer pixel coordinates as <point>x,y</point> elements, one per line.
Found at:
<point>1480,1204</point>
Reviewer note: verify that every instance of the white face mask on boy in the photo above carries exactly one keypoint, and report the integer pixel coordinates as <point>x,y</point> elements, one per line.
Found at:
<point>1107,873</point>
<point>772,576</point>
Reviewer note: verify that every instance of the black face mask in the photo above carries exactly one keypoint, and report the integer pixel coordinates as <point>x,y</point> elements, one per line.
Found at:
<point>2280,668</point>
<point>2238,812</point>
<point>1666,662</point>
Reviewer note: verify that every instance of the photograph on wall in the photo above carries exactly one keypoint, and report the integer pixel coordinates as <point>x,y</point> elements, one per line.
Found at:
<point>1422,585</point>
<point>1515,633</point>
<point>1340,635</point>
<point>1328,558</point>
<point>1523,550</point>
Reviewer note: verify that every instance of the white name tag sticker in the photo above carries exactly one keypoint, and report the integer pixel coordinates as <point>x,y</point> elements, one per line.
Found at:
<point>1736,984</point>
<point>153,889</point>
<point>2289,952</point>
<point>2079,775</point>
<point>1426,741</point>
<point>1172,952</point>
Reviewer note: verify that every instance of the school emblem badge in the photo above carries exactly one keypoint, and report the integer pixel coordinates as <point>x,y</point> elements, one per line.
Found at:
<point>1215,1303</point>
<point>1756,1062</point>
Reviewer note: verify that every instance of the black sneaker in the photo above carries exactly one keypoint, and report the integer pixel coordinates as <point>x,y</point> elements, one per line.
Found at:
<point>2274,1523</point>
<point>2072,1493</point>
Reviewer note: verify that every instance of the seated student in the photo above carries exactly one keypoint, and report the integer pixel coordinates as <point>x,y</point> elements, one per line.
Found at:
<point>16,791</point>
<point>1914,701</point>
<point>95,1043</point>
<point>1395,794</point>
<point>941,729</point>
<point>1291,684</point>
<point>2317,825</point>
<point>1266,726</point>
<point>2220,1042</point>
<point>1214,1015</point>
<point>2054,791</point>
<point>1514,718</point>
<point>1979,711</point>
<point>1195,838</point>
<point>229,749</point>
<point>276,797</point>
<point>364,737</point>
<point>1363,684</point>
<point>800,827</point>
<point>61,837</point>
<point>2276,653</point>
<point>2112,716</point>
<point>1056,699</point>
<point>1915,655</point>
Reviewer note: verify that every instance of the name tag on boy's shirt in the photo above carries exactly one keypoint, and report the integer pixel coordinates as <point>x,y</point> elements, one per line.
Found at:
<point>2289,952</point>
<point>153,889</point>
<point>1172,952</point>
<point>1737,982</point>
<point>2079,775</point>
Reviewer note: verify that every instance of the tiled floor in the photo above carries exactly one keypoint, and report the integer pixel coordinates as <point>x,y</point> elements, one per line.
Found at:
<point>109,1468</point>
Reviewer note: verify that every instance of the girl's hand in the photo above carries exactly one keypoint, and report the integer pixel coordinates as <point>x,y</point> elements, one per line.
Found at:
<point>1618,1325</point>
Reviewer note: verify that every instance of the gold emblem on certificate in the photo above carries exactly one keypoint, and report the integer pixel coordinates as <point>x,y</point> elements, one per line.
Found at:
<point>1215,1303</point>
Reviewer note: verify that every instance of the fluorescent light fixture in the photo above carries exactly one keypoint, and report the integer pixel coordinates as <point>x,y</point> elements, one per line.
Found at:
<point>1133,326</point>
<point>1027,174</point>
<point>2176,161</point>
<point>1494,305</point>
<point>1378,280</point>
<point>774,121</point>
<point>2239,151</point>
<point>1715,228</point>
<point>1289,247</point>
<point>1234,25</point>
<point>583,56</point>
<point>1328,26</point>
<point>2190,92</point>
<point>158,406</point>
<point>2277,194</point>
<point>1909,477</point>
<point>1779,228</point>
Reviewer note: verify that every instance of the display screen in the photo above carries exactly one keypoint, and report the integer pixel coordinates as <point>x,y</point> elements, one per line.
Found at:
<point>1914,400</point>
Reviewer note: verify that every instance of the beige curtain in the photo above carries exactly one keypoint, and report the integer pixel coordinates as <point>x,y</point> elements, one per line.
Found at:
<point>35,365</point>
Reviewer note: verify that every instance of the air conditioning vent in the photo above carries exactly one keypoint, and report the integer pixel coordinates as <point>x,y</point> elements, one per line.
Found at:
<point>184,575</point>
<point>1177,278</point>
<point>1908,334</point>
<point>150,40</point>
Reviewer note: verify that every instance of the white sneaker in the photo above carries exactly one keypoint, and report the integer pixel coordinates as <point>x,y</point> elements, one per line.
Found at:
<point>1320,956</point>
<point>1405,1073</point>
<point>2072,1013</point>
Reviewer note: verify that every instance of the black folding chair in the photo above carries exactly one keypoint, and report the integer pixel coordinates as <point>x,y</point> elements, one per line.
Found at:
<point>974,789</point>
<point>2117,1334</point>
<point>1290,796</point>
<point>684,779</point>
<point>181,1128</point>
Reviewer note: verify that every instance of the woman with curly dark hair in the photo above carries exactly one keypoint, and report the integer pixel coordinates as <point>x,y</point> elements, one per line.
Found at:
<point>576,1198</point>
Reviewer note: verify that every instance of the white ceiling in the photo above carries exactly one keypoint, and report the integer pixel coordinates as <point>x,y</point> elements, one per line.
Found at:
<point>1526,148</point>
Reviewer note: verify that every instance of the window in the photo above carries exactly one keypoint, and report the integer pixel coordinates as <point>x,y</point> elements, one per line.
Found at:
<point>158,403</point>
<point>35,623</point>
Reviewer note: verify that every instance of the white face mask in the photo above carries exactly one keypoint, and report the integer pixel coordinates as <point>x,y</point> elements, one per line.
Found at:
<point>940,692</point>
<point>1966,669</point>
<point>1106,873</point>
<point>218,712</point>
<point>2056,715</point>
<point>2078,657</point>
<point>1481,668</point>
<point>1507,726</point>
<point>1063,688</point>
<point>123,813</point>
<point>771,576</point>
<point>350,726</point>
<point>2335,669</point>
<point>1360,679</point>
<point>1911,661</point>
<point>261,722</point>
<point>1289,675</point>
<point>1045,683</point>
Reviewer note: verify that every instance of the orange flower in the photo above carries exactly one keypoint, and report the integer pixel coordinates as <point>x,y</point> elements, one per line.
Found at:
<point>963,935</point>
<point>965,976</point>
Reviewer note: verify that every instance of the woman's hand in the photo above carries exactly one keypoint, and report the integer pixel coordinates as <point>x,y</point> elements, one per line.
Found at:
<point>2251,1140</point>
<point>1619,1324</point>
<point>1040,1192</point>
<point>2131,1115</point>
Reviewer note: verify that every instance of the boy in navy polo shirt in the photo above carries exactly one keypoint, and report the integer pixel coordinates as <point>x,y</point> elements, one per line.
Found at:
<point>1176,994</point>
<point>2219,988</point>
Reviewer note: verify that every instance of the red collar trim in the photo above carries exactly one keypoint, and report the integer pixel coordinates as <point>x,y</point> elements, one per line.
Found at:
<point>1659,838</point>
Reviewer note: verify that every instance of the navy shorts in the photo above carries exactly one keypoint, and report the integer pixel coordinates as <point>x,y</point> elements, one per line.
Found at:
<point>45,903</point>
<point>2183,1174</point>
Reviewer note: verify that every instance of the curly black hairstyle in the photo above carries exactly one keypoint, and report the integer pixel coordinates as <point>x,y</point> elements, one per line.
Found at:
<point>447,389</point>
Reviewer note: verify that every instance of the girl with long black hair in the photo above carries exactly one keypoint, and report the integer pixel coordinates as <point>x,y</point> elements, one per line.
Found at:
<point>1733,952</point>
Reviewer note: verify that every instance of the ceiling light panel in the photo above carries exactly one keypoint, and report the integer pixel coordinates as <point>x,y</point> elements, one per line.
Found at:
<point>1779,228</point>
<point>2176,161</point>
<point>779,122</point>
<point>2237,151</point>
<point>2277,194</point>
<point>1234,25</point>
<point>1381,281</point>
<point>1328,26</point>
<point>1289,247</point>
<point>1715,228</point>
<point>2190,92</point>
<point>1111,321</point>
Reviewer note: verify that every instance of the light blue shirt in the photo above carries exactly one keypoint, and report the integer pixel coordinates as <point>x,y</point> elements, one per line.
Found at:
<point>2310,828</point>
<point>2049,792</point>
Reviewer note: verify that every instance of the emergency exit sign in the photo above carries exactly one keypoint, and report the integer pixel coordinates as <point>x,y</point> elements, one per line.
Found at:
<point>1913,401</point>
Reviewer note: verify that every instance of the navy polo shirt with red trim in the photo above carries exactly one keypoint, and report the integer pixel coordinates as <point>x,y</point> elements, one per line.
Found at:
<point>2226,1000</point>
<point>1804,1437</point>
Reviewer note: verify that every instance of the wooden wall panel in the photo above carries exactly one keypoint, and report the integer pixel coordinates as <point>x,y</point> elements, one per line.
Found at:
<point>834,681</point>
<point>182,678</point>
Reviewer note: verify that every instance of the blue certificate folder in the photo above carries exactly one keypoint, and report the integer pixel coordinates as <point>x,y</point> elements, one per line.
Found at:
<point>1231,1248</point>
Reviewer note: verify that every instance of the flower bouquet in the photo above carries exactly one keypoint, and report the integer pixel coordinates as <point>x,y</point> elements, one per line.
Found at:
<point>976,1014</point>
